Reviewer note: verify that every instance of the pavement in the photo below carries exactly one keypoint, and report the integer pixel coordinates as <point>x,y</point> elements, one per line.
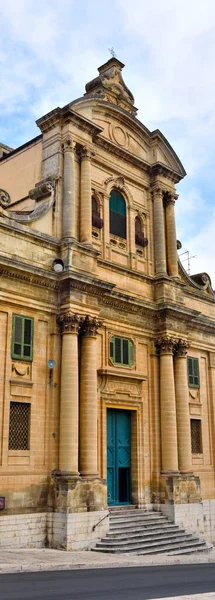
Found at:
<point>46,559</point>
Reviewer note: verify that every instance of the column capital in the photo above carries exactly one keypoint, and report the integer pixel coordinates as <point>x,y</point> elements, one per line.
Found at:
<point>181,348</point>
<point>157,191</point>
<point>90,326</point>
<point>86,153</point>
<point>69,145</point>
<point>165,345</point>
<point>69,322</point>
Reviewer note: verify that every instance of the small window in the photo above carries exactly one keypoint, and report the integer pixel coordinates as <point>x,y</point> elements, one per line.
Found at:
<point>196,436</point>
<point>22,337</point>
<point>121,351</point>
<point>19,428</point>
<point>193,371</point>
<point>117,214</point>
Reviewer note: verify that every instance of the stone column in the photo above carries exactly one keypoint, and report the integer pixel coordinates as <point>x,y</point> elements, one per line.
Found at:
<point>69,189</point>
<point>182,407</point>
<point>86,197</point>
<point>159,233</point>
<point>169,449</point>
<point>172,256</point>
<point>88,398</point>
<point>68,461</point>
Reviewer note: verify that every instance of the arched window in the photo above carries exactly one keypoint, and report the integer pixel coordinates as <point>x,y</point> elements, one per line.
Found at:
<point>140,240</point>
<point>96,219</point>
<point>117,214</point>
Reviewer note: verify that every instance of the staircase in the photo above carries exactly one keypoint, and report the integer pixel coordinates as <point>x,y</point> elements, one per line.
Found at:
<point>136,531</point>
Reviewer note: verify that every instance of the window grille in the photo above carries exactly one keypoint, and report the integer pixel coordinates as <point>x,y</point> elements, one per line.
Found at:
<point>193,371</point>
<point>22,337</point>
<point>196,436</point>
<point>19,428</point>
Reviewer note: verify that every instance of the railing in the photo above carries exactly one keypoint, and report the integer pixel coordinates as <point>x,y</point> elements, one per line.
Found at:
<point>94,526</point>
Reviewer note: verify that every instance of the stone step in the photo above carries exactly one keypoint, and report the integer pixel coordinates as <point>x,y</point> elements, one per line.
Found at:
<point>134,532</point>
<point>145,538</point>
<point>143,544</point>
<point>130,532</point>
<point>162,548</point>
<point>147,520</point>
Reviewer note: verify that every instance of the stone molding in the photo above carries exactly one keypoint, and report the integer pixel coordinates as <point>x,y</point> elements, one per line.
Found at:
<point>69,322</point>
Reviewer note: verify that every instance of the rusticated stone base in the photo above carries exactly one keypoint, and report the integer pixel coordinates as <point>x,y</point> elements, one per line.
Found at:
<point>77,531</point>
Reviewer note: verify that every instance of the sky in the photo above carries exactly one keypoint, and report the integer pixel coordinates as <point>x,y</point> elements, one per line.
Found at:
<point>49,49</point>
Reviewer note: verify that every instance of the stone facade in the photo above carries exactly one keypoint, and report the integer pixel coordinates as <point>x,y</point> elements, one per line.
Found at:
<point>82,284</point>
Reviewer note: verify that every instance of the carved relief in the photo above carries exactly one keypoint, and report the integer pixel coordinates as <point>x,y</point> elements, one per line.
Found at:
<point>86,153</point>
<point>20,369</point>
<point>69,145</point>
<point>44,188</point>
<point>119,136</point>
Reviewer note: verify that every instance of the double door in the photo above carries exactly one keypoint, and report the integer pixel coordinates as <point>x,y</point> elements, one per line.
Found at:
<point>118,456</point>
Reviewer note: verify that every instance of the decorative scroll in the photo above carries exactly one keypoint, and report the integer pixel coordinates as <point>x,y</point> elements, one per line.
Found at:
<point>5,198</point>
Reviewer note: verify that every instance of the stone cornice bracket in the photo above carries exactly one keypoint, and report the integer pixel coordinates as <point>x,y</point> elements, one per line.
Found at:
<point>86,153</point>
<point>165,345</point>
<point>5,198</point>
<point>69,323</point>
<point>181,348</point>
<point>43,188</point>
<point>90,326</point>
<point>69,145</point>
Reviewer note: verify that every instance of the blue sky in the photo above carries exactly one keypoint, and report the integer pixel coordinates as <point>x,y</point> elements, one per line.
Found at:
<point>49,50</point>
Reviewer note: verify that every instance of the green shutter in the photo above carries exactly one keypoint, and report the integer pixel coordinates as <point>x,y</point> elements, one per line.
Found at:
<point>193,371</point>
<point>121,351</point>
<point>22,337</point>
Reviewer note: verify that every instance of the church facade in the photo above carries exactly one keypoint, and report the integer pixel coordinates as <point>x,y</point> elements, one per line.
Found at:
<point>107,385</point>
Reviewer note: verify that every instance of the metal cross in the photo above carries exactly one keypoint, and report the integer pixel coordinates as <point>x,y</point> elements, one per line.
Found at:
<point>112,51</point>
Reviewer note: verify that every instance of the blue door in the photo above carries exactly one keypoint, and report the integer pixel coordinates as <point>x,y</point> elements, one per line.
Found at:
<point>118,456</point>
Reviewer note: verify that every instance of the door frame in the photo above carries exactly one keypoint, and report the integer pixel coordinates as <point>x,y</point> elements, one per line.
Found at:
<point>137,443</point>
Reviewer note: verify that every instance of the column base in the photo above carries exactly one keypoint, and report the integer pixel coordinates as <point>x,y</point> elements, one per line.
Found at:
<point>72,493</point>
<point>179,488</point>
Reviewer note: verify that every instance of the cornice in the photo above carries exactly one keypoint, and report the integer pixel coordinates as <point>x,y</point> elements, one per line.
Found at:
<point>122,373</point>
<point>17,270</point>
<point>58,116</point>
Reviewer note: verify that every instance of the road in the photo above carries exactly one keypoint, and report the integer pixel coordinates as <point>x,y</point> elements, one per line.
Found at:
<point>139,583</point>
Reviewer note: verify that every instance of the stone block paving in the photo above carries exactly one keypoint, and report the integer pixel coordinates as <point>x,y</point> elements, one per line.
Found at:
<point>45,559</point>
